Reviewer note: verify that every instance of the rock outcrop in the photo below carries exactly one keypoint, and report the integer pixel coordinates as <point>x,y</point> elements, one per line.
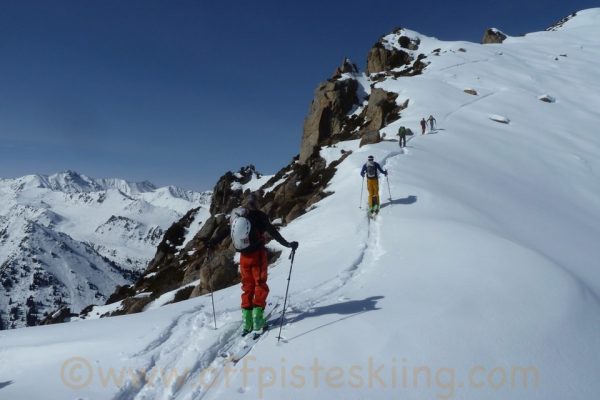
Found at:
<point>347,67</point>
<point>493,35</point>
<point>382,59</point>
<point>328,111</point>
<point>371,137</point>
<point>380,111</point>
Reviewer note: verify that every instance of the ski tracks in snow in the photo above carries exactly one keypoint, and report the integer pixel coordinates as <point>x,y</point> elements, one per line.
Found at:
<point>176,357</point>
<point>331,291</point>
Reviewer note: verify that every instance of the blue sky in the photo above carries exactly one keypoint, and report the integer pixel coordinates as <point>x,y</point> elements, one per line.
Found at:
<point>178,92</point>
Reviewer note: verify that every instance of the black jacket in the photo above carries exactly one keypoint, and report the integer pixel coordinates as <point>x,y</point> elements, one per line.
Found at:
<point>259,221</point>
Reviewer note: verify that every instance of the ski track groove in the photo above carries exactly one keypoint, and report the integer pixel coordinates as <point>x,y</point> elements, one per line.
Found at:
<point>476,100</point>
<point>162,348</point>
<point>370,252</point>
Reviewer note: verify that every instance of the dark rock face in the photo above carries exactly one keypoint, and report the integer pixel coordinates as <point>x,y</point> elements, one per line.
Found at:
<point>493,36</point>
<point>224,196</point>
<point>409,43</point>
<point>333,100</point>
<point>381,59</point>
<point>380,111</point>
<point>471,92</point>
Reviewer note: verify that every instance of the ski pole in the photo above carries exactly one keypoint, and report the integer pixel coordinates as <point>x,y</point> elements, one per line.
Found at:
<point>389,191</point>
<point>212,297</point>
<point>286,295</point>
<point>362,186</point>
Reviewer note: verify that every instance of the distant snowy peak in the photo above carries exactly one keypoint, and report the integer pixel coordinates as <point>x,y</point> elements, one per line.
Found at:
<point>188,195</point>
<point>74,182</point>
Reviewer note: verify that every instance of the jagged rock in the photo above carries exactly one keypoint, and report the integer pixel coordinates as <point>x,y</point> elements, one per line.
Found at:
<point>207,230</point>
<point>287,190</point>
<point>220,231</point>
<point>294,213</point>
<point>333,100</point>
<point>471,91</point>
<point>227,192</point>
<point>409,43</point>
<point>347,67</point>
<point>132,305</point>
<point>370,138</point>
<point>493,35</point>
<point>219,273</point>
<point>416,68</point>
<point>381,59</point>
<point>120,293</point>
<point>183,294</point>
<point>419,65</point>
<point>380,111</point>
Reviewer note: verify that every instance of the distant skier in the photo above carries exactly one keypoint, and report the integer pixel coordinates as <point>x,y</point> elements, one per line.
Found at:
<point>402,134</point>
<point>423,126</point>
<point>431,121</point>
<point>371,169</point>
<point>248,227</point>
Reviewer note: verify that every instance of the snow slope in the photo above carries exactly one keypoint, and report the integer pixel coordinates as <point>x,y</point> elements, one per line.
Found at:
<point>478,279</point>
<point>67,239</point>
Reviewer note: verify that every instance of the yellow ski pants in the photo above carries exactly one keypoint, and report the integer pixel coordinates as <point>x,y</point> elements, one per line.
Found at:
<point>373,188</point>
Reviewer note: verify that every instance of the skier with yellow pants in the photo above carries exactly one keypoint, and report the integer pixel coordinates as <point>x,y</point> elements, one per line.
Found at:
<point>371,170</point>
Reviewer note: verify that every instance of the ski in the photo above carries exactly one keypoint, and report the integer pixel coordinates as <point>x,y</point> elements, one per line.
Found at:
<point>237,350</point>
<point>250,341</point>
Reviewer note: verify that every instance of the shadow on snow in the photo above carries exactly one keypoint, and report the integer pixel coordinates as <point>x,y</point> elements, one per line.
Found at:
<point>347,309</point>
<point>405,200</point>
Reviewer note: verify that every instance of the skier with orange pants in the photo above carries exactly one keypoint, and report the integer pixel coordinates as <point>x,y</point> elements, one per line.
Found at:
<point>371,170</point>
<point>248,228</point>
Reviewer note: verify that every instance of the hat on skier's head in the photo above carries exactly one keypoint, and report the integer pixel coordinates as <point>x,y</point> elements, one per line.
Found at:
<point>370,158</point>
<point>251,201</point>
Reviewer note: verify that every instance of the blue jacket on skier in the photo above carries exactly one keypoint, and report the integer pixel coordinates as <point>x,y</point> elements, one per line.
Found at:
<point>371,169</point>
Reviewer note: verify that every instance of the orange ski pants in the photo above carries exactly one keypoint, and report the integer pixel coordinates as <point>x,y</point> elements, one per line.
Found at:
<point>253,270</point>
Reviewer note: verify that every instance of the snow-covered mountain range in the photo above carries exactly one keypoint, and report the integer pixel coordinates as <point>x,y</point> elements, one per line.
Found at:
<point>479,278</point>
<point>69,240</point>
